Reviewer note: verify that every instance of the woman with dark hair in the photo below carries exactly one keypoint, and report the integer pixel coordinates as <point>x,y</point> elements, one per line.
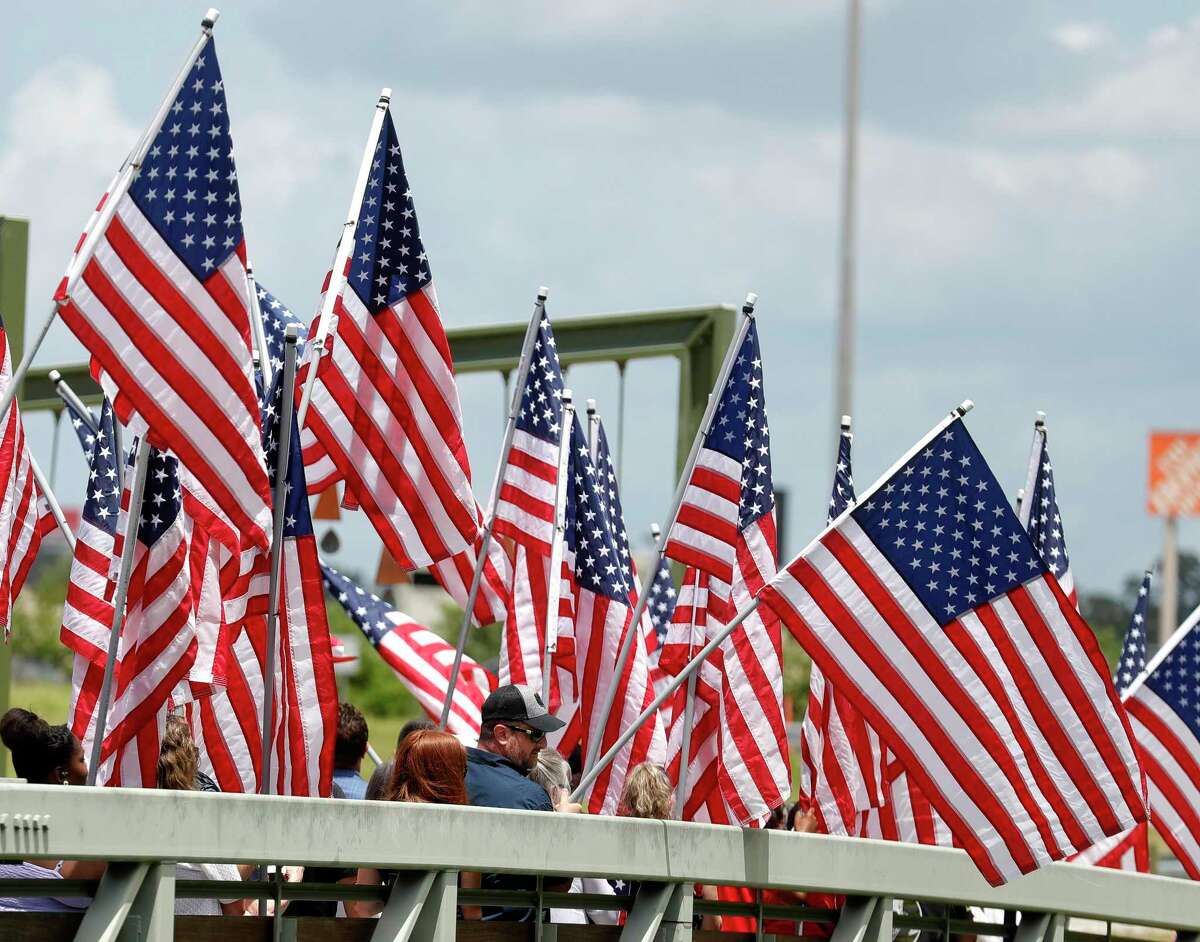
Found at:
<point>44,755</point>
<point>430,767</point>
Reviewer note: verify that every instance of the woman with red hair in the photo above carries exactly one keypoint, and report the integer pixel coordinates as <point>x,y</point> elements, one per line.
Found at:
<point>430,767</point>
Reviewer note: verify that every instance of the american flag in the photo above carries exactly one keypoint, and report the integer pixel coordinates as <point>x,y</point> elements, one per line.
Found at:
<point>596,614</point>
<point>1164,707</point>
<point>1044,521</point>
<point>725,530</point>
<point>305,699</point>
<point>841,754</point>
<point>158,642</point>
<point>661,603</point>
<point>384,403</point>
<point>524,513</point>
<point>82,426</point>
<point>420,658</point>
<point>25,516</point>
<point>162,305</point>
<point>928,606</point>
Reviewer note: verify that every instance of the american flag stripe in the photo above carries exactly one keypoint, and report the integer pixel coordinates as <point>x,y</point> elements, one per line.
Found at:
<point>907,816</point>
<point>836,602</point>
<point>521,652</point>
<point>456,573</point>
<point>705,532</point>
<point>158,294</point>
<point>1170,754</point>
<point>525,505</point>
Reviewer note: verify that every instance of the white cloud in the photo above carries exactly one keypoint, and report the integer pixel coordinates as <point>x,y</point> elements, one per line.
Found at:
<point>1081,37</point>
<point>1149,94</point>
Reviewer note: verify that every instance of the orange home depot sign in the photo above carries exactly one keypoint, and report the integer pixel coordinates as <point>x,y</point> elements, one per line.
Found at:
<point>1174,474</point>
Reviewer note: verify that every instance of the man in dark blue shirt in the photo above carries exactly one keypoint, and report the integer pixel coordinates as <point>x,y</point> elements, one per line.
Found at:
<point>513,731</point>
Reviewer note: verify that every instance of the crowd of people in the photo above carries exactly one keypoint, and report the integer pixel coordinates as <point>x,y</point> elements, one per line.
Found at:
<point>511,767</point>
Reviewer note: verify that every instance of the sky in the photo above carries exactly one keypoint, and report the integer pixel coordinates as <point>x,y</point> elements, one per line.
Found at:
<point>1027,225</point>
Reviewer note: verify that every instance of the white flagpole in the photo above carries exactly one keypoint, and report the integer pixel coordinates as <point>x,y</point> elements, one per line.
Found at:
<point>279,499</point>
<point>52,501</point>
<point>510,426</point>
<point>258,328</point>
<point>1024,507</point>
<point>69,396</point>
<point>627,645</point>
<point>689,710</point>
<point>133,520</point>
<point>554,581</point>
<point>593,430</point>
<point>341,258</point>
<point>123,180</point>
<point>676,682</point>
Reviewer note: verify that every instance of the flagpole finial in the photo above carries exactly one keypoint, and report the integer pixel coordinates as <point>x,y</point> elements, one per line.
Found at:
<point>291,333</point>
<point>964,407</point>
<point>54,376</point>
<point>591,407</point>
<point>385,97</point>
<point>1039,419</point>
<point>210,19</point>
<point>845,423</point>
<point>748,304</point>
<point>543,293</point>
<point>655,531</point>
<point>567,397</point>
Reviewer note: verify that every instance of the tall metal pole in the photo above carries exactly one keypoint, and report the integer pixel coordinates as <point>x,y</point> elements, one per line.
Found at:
<point>593,429</point>
<point>133,520</point>
<point>69,396</point>
<point>554,581</point>
<point>108,208</point>
<point>844,403</point>
<point>689,712</point>
<point>1025,495</point>
<point>1168,600</point>
<point>510,427</point>
<point>54,439</point>
<point>639,608</point>
<point>52,502</point>
<point>279,501</point>
<point>341,257</point>
<point>257,330</point>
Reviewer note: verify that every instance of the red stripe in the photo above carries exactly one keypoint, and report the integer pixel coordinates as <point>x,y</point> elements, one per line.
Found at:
<point>725,487</point>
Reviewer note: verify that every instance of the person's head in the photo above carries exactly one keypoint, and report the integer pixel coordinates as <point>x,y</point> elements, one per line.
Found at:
<point>803,818</point>
<point>351,744</point>
<point>431,767</point>
<point>778,821</point>
<point>553,774</point>
<point>647,793</point>
<point>515,723</point>
<point>178,757</point>
<point>412,726</point>
<point>42,754</point>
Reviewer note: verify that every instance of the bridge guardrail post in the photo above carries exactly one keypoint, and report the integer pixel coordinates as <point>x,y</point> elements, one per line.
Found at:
<point>1041,927</point>
<point>152,914</point>
<point>662,912</point>
<point>865,919</point>
<point>113,900</point>
<point>421,907</point>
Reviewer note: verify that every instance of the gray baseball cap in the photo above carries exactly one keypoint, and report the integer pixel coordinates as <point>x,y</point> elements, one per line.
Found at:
<point>521,704</point>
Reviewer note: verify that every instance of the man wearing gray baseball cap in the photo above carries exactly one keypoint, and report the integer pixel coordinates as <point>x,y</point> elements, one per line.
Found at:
<point>513,728</point>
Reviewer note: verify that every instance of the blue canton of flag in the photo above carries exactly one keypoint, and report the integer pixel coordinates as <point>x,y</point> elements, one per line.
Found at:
<point>187,186</point>
<point>103,503</point>
<point>1176,681</point>
<point>590,526</point>
<point>276,319</point>
<point>1133,652</point>
<point>389,260</point>
<point>541,402</point>
<point>843,481</point>
<point>82,427</point>
<point>609,499</point>
<point>297,521</point>
<point>1045,522</point>
<point>368,611</point>
<point>163,498</point>
<point>739,431</point>
<point>943,522</point>
<point>661,603</point>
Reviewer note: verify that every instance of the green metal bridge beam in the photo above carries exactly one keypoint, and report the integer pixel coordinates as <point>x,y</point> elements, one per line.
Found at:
<point>697,337</point>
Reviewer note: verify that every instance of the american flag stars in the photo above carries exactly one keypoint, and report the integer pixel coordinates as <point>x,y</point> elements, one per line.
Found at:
<point>389,259</point>
<point>541,403</point>
<point>187,184</point>
<point>946,526</point>
<point>163,498</point>
<point>103,502</point>
<point>1133,651</point>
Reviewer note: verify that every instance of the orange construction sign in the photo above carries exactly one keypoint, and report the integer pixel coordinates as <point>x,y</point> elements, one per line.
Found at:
<point>1174,474</point>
